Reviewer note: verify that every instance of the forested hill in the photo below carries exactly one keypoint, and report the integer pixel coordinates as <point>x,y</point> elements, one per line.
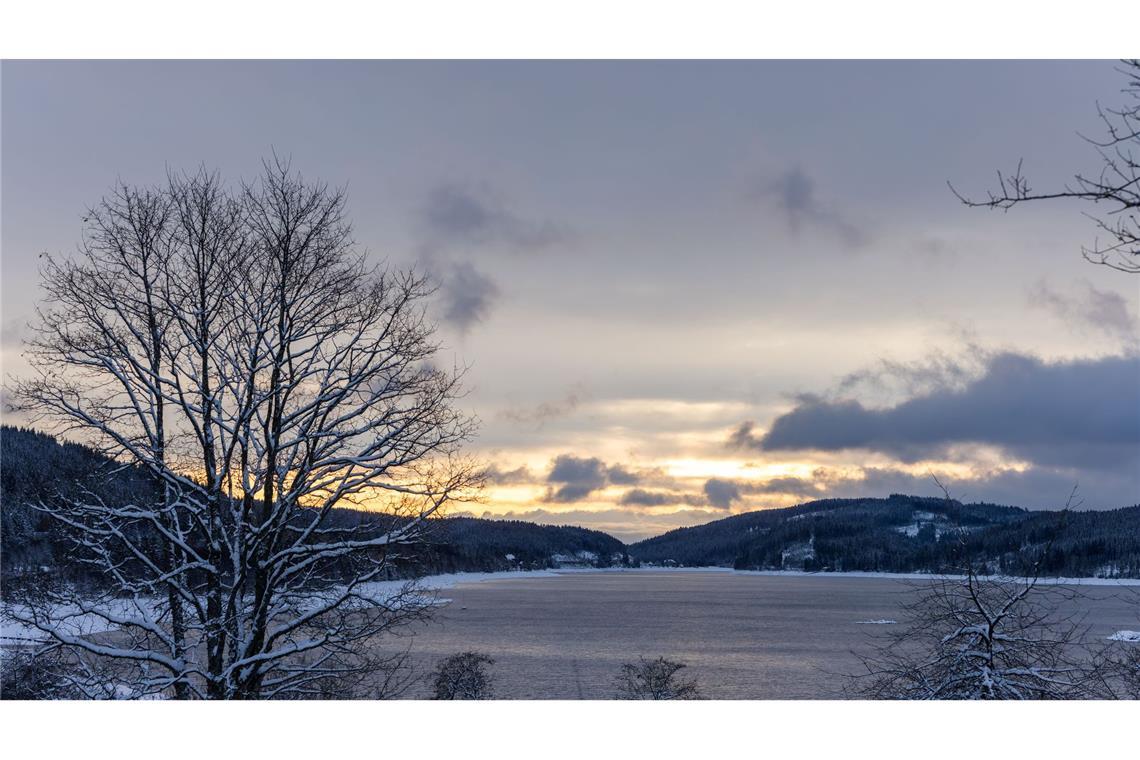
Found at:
<point>896,534</point>
<point>908,534</point>
<point>36,466</point>
<point>469,543</point>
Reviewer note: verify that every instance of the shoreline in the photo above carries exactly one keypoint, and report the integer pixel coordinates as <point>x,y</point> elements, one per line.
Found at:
<point>13,630</point>
<point>450,579</point>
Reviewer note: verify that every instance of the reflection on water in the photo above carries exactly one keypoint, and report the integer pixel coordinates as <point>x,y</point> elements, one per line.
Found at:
<point>743,636</point>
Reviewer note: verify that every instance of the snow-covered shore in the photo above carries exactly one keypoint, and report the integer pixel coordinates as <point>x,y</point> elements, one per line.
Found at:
<point>851,574</point>
<point>74,621</point>
<point>13,631</point>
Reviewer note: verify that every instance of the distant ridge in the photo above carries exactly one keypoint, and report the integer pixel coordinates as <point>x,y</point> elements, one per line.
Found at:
<point>898,534</point>
<point>35,465</point>
<point>906,534</point>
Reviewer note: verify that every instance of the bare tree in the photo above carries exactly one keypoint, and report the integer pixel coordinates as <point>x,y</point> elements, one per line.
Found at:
<point>1122,660</point>
<point>234,347</point>
<point>463,676</point>
<point>1116,185</point>
<point>984,637</point>
<point>655,679</point>
<point>1129,671</point>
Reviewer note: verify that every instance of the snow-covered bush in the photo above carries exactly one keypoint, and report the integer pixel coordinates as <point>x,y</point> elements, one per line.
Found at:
<point>985,638</point>
<point>463,676</point>
<point>655,679</point>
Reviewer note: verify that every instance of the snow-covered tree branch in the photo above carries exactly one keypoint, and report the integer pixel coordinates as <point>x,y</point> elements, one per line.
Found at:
<point>234,348</point>
<point>987,637</point>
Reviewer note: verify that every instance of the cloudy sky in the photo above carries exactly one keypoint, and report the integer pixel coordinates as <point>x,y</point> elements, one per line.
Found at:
<point>684,289</point>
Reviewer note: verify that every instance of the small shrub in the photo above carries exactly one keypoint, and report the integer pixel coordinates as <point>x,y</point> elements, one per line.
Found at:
<point>24,675</point>
<point>463,676</point>
<point>655,679</point>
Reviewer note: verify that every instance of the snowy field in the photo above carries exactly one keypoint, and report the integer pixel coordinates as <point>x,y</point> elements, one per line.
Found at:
<point>744,635</point>
<point>79,622</point>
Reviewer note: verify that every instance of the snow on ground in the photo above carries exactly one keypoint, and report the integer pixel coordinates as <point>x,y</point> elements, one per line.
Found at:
<point>891,576</point>
<point>69,619</point>
<point>876,622</point>
<point>74,621</point>
<point>78,623</point>
<point>1132,637</point>
<point>449,580</point>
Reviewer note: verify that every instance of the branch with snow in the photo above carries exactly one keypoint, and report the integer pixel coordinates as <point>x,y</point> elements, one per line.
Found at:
<point>234,348</point>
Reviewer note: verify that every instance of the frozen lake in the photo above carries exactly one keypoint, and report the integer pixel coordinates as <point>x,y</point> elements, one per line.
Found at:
<point>565,636</point>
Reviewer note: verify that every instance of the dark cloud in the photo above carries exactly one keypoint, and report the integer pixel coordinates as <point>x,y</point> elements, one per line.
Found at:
<point>643,498</point>
<point>466,295</point>
<point>519,475</point>
<point>574,478</point>
<point>785,485</point>
<point>1089,309</point>
<point>454,220</point>
<point>620,476</point>
<point>721,493</point>
<point>567,468</point>
<point>570,492</point>
<point>1033,488</point>
<point>1039,487</point>
<point>473,215</point>
<point>1075,413</point>
<point>744,437</point>
<point>794,193</point>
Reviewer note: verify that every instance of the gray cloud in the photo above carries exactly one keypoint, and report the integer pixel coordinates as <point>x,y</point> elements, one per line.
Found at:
<point>574,478</point>
<point>624,524</point>
<point>937,371</point>
<point>570,492</point>
<point>473,215</point>
<point>1034,488</point>
<point>454,220</point>
<point>1038,487</point>
<point>567,468</point>
<point>641,497</point>
<point>517,476</point>
<point>538,416</point>
<point>620,476</point>
<point>466,295</point>
<point>1089,309</point>
<point>744,437</point>
<point>721,493</point>
<point>794,194</point>
<point>1075,413</point>
<point>785,485</point>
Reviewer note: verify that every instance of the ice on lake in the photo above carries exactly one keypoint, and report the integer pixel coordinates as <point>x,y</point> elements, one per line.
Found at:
<point>743,635</point>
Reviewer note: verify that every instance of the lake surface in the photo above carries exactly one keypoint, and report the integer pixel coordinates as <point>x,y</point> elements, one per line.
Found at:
<point>743,636</point>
